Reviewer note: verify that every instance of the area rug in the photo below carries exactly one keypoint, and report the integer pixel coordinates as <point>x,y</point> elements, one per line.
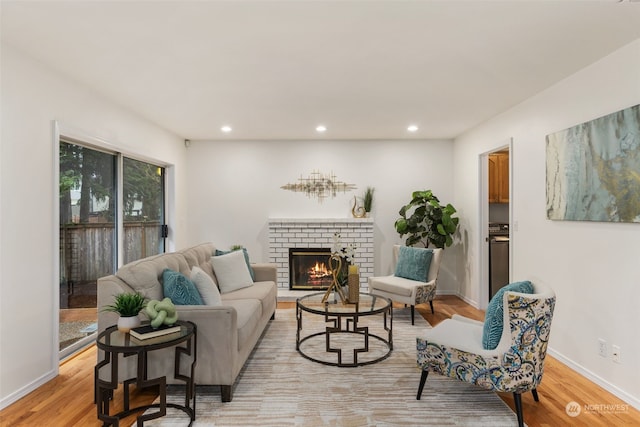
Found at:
<point>278,387</point>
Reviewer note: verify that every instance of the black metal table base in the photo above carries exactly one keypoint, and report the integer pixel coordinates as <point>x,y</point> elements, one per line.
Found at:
<point>338,351</point>
<point>351,327</point>
<point>104,389</point>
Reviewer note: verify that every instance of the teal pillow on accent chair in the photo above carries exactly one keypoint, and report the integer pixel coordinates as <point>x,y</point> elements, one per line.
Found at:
<point>414,263</point>
<point>180,289</point>
<point>494,316</point>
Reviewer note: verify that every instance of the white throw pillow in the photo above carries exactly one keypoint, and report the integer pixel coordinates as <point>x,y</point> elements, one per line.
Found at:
<point>231,271</point>
<point>206,286</point>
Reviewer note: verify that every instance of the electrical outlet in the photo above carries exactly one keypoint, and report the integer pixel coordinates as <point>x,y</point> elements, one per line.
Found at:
<point>602,347</point>
<point>615,353</point>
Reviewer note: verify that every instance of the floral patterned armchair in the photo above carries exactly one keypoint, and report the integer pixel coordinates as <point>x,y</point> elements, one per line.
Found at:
<point>454,347</point>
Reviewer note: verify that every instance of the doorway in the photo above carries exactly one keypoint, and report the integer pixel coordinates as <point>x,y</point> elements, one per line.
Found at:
<point>495,220</point>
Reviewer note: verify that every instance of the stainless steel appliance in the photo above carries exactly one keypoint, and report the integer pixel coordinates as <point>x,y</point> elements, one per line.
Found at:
<point>498,257</point>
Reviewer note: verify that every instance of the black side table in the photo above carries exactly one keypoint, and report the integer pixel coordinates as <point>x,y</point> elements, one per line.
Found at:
<point>113,342</point>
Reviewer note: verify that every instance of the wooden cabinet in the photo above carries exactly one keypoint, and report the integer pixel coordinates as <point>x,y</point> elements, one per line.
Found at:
<point>499,177</point>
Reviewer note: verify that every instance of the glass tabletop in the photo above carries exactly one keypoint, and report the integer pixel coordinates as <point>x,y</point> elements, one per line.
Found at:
<point>112,339</point>
<point>367,304</point>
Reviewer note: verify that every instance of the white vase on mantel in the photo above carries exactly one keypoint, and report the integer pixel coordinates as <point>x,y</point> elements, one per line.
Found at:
<point>125,324</point>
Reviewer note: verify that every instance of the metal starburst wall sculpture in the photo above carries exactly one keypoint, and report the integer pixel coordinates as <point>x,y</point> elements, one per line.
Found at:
<point>319,185</point>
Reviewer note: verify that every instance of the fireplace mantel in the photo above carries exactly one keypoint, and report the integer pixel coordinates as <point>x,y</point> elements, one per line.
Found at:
<point>285,233</point>
<point>320,220</point>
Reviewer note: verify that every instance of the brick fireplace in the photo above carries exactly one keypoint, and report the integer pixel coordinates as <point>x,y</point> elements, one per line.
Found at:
<point>292,233</point>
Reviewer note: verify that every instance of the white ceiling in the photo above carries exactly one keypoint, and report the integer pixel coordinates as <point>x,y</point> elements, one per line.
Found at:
<point>276,69</point>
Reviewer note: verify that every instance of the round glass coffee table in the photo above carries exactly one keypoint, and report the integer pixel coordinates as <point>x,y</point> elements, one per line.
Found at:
<point>328,329</point>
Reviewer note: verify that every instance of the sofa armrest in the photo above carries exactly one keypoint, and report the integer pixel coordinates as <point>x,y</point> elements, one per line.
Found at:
<point>217,339</point>
<point>265,272</point>
<point>206,316</point>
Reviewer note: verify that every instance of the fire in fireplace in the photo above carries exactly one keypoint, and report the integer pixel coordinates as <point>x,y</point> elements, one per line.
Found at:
<point>309,269</point>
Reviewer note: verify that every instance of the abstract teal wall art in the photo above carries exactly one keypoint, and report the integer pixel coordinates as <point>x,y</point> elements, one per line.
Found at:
<point>593,170</point>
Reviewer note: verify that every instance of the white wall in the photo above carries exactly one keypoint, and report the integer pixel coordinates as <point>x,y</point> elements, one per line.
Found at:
<point>235,187</point>
<point>593,267</point>
<point>31,98</point>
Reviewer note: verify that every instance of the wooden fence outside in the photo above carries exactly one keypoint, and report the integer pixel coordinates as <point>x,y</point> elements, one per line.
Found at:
<point>87,251</point>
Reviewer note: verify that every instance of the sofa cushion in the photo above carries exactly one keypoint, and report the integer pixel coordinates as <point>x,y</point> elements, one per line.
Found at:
<point>246,258</point>
<point>494,316</point>
<point>266,292</point>
<point>231,271</point>
<point>249,313</point>
<point>207,288</point>
<point>413,263</point>
<point>180,289</point>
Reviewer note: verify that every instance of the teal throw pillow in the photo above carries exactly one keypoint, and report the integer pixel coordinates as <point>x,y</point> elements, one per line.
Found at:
<point>246,258</point>
<point>494,317</point>
<point>413,263</point>
<point>180,289</point>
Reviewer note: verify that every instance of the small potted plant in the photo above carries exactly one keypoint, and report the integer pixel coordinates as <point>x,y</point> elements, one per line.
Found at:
<point>128,306</point>
<point>368,200</point>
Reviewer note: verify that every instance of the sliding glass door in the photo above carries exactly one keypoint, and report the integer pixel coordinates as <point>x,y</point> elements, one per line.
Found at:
<point>90,181</point>
<point>143,197</point>
<point>87,235</point>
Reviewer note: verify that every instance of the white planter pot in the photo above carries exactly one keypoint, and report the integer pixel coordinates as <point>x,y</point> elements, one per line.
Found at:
<point>126,323</point>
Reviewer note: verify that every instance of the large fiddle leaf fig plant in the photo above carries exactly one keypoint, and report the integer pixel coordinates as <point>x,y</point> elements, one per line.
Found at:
<point>426,221</point>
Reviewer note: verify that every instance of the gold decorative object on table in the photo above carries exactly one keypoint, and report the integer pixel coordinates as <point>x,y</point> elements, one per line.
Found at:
<point>335,286</point>
<point>354,284</point>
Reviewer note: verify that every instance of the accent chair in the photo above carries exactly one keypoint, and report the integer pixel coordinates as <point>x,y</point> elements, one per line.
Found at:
<point>517,326</point>
<point>414,278</point>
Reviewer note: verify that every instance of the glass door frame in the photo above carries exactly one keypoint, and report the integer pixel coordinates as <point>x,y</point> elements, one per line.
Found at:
<point>74,136</point>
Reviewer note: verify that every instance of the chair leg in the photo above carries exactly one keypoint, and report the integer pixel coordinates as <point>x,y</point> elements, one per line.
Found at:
<point>413,309</point>
<point>431,304</point>
<point>518,401</point>
<point>423,379</point>
<point>535,395</point>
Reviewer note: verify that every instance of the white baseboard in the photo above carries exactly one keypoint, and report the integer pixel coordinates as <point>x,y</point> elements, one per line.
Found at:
<point>616,391</point>
<point>446,292</point>
<point>471,302</point>
<point>20,393</point>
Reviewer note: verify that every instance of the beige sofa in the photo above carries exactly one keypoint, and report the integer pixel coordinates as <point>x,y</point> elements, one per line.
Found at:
<point>226,334</point>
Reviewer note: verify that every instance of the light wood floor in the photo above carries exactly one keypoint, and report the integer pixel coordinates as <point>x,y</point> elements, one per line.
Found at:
<point>67,400</point>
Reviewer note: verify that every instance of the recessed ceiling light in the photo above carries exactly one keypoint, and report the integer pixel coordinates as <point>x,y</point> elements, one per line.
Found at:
<point>412,128</point>
<point>226,129</point>
<point>321,128</point>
